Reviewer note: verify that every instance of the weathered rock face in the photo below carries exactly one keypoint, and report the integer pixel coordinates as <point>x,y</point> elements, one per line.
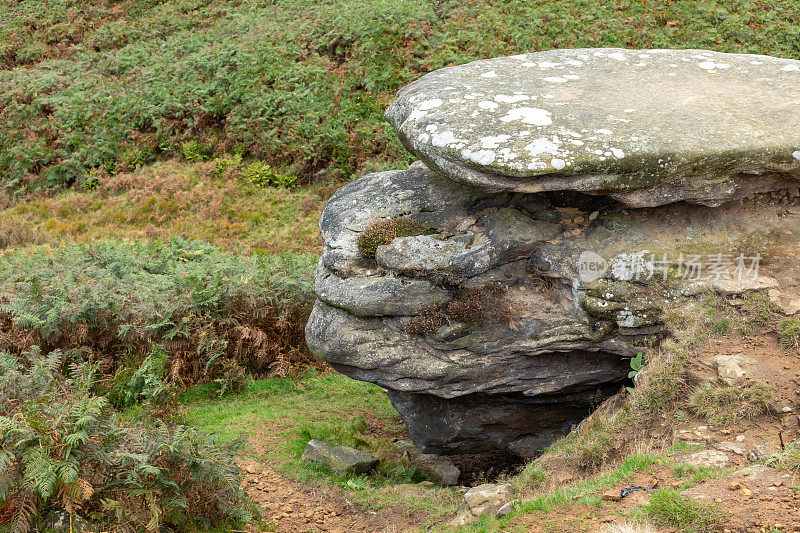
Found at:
<point>647,127</point>
<point>516,313</point>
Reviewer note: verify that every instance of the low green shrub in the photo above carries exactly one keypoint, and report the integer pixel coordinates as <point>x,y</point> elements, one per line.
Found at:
<point>63,448</point>
<point>263,175</point>
<point>384,231</point>
<point>197,307</point>
<point>194,151</point>
<point>223,165</point>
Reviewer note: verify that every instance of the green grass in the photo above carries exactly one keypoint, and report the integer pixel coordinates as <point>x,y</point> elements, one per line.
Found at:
<point>668,508</point>
<point>281,415</point>
<point>301,84</point>
<point>789,333</point>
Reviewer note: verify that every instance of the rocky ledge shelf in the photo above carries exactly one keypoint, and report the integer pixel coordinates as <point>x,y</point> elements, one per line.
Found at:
<point>470,300</point>
<point>647,127</point>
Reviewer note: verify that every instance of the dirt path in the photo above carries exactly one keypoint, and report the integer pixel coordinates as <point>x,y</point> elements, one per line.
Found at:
<point>313,507</point>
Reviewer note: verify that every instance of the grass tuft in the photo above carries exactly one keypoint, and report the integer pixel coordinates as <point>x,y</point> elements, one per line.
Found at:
<point>668,508</point>
<point>725,405</point>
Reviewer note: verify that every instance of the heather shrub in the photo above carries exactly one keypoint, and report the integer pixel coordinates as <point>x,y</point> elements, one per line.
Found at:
<point>478,306</point>
<point>380,232</point>
<point>63,448</point>
<point>179,311</point>
<point>474,307</point>
<point>428,320</point>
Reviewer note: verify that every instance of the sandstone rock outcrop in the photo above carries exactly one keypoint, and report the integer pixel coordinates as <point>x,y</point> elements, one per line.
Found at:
<point>647,127</point>
<point>517,309</point>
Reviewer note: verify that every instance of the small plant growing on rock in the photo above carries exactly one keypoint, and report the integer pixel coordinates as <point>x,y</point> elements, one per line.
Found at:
<point>428,320</point>
<point>380,232</point>
<point>479,306</point>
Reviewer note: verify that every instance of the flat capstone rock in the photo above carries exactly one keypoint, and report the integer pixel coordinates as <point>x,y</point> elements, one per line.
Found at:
<point>647,127</point>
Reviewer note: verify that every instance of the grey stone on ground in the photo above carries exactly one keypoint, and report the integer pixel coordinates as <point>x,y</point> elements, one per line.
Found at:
<point>483,499</point>
<point>738,448</point>
<point>647,127</point>
<point>59,521</point>
<point>437,467</point>
<point>713,458</point>
<point>341,459</point>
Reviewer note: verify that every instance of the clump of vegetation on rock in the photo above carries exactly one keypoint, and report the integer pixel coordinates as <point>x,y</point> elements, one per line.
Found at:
<point>474,307</point>
<point>380,232</point>
<point>63,447</point>
<point>479,306</point>
<point>428,320</point>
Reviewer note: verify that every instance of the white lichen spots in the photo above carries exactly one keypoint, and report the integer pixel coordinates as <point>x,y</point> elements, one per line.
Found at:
<point>756,62</point>
<point>511,99</point>
<point>796,154</point>
<point>555,79</point>
<point>597,152</point>
<point>790,68</point>
<point>424,138</point>
<point>574,63</point>
<point>557,163</point>
<point>444,138</point>
<point>487,104</point>
<point>430,128</point>
<point>524,133</point>
<point>604,132</point>
<point>629,110</point>
<point>711,65</point>
<point>490,74</point>
<point>577,142</point>
<point>619,154</point>
<point>493,141</point>
<point>427,105</point>
<point>529,115</point>
<point>547,64</point>
<point>481,157</point>
<point>618,56</point>
<point>572,76</point>
<point>542,146</point>
<point>537,165</point>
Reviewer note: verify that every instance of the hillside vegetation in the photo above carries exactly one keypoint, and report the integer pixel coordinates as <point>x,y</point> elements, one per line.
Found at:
<point>163,165</point>
<point>301,84</point>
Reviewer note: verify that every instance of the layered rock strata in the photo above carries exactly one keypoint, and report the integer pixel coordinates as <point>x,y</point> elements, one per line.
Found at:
<point>517,308</point>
